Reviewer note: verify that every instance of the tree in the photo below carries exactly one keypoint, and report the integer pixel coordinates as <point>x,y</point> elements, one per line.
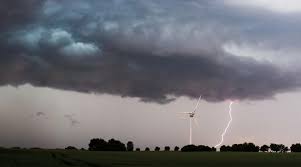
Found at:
<point>203,148</point>
<point>275,147</point>
<point>200,148</point>
<point>97,145</point>
<point>279,148</point>
<point>157,149</point>
<point>189,148</point>
<point>283,148</point>
<point>130,146</point>
<point>225,148</point>
<point>102,145</point>
<point>245,147</point>
<point>296,147</point>
<point>115,145</point>
<point>147,149</point>
<point>70,148</point>
<point>176,148</point>
<point>264,148</point>
<point>166,148</point>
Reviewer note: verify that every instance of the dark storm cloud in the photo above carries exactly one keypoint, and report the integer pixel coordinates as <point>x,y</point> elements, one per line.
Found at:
<point>153,50</point>
<point>15,13</point>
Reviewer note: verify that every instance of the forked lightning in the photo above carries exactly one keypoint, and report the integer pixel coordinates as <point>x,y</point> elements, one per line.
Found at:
<point>228,125</point>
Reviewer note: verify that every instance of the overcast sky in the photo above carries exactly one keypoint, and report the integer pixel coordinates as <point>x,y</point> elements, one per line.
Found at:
<point>71,70</point>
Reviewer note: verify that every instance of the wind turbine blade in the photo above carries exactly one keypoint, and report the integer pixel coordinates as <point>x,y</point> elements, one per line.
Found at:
<point>197,105</point>
<point>184,113</point>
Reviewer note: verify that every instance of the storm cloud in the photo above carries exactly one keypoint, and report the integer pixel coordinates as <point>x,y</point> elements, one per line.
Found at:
<point>15,13</point>
<point>154,50</point>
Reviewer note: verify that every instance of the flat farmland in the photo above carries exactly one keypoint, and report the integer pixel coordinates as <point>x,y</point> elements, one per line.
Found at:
<point>62,158</point>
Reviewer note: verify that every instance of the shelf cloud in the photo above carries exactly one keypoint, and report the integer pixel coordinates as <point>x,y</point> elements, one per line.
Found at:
<point>154,50</point>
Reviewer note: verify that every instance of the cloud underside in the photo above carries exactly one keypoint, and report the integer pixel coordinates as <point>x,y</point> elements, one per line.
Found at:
<point>145,51</point>
<point>151,78</point>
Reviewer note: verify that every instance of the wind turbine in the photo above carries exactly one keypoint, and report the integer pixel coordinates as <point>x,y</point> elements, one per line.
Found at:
<point>191,118</point>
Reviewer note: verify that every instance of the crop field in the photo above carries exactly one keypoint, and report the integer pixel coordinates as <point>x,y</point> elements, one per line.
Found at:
<point>62,158</point>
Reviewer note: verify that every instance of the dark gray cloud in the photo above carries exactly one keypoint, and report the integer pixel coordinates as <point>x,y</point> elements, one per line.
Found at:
<point>154,50</point>
<point>15,13</point>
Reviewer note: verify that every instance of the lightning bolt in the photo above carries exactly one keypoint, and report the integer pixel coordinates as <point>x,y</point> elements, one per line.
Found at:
<point>228,125</point>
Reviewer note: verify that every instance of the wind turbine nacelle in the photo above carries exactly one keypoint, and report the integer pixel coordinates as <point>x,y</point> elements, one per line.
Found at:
<point>191,115</point>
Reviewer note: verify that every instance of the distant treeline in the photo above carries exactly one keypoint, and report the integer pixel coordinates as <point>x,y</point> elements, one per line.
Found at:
<point>99,144</point>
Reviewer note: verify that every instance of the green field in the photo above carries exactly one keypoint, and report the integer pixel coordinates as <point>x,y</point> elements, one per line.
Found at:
<point>56,158</point>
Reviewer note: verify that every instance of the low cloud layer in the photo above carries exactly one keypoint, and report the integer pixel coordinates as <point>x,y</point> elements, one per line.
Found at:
<point>154,50</point>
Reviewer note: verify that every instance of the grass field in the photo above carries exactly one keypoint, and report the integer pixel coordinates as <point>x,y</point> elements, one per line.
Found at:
<point>57,158</point>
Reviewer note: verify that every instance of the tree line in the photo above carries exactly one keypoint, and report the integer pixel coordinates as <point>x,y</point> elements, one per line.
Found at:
<point>98,144</point>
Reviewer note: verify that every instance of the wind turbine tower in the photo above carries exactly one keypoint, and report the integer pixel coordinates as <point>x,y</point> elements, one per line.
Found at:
<point>192,118</point>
